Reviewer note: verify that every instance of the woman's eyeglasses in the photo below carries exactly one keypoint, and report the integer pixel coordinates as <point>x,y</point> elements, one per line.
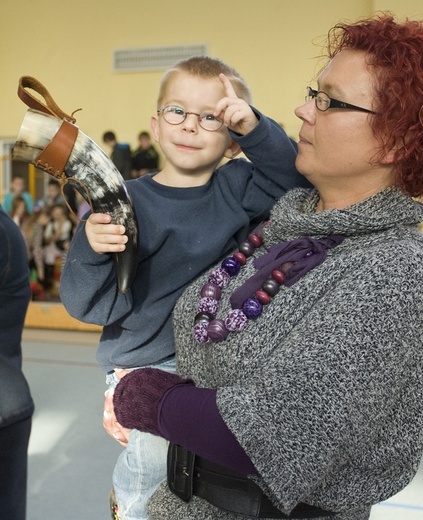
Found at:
<point>324,102</point>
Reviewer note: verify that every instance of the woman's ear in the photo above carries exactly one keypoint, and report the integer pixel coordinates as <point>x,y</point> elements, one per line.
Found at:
<point>233,150</point>
<point>400,150</point>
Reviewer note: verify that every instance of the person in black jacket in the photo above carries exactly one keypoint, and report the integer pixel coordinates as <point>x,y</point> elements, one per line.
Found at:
<point>121,154</point>
<point>16,404</point>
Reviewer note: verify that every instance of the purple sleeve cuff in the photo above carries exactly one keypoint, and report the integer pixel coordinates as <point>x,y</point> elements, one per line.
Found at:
<point>189,416</point>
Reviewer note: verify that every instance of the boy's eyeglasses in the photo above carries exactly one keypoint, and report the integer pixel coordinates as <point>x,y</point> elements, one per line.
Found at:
<point>324,102</point>
<point>176,116</point>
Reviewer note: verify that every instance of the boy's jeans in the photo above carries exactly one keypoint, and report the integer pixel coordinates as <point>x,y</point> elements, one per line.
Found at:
<point>142,465</point>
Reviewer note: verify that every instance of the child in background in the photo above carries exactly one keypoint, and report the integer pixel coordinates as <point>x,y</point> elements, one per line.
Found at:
<point>17,188</point>
<point>33,233</point>
<point>19,211</point>
<point>189,214</point>
<point>57,237</point>
<point>145,158</point>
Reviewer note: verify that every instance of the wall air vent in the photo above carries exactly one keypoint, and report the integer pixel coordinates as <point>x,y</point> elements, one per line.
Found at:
<point>142,59</point>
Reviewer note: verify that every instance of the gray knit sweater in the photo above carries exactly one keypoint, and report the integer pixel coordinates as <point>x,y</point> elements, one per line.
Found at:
<point>324,390</point>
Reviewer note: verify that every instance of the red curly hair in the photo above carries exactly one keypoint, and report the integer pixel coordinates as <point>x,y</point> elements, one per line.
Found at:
<point>395,51</point>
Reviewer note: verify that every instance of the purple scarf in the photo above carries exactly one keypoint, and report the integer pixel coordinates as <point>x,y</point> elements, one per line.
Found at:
<point>305,254</point>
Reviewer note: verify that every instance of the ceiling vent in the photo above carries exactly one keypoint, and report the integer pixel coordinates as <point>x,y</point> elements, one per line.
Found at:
<point>142,59</point>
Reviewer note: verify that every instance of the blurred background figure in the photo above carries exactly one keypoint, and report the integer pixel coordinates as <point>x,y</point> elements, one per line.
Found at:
<point>53,195</point>
<point>57,237</point>
<point>145,158</point>
<point>121,154</point>
<point>19,211</point>
<point>17,188</point>
<point>16,405</point>
<point>33,233</point>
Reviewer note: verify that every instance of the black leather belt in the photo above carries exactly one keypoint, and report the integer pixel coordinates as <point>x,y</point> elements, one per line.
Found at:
<point>188,475</point>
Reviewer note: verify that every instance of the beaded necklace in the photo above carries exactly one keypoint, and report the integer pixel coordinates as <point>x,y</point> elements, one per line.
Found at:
<point>297,257</point>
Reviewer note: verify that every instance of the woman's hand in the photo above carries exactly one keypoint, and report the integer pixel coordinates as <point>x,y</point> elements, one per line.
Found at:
<point>110,423</point>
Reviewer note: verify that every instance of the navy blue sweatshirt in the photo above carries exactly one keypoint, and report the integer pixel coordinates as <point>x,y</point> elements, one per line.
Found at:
<point>182,231</point>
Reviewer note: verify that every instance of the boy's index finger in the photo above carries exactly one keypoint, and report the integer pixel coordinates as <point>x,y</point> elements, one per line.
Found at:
<point>230,92</point>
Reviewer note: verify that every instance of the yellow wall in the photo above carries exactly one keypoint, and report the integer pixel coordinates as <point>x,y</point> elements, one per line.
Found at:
<point>68,46</point>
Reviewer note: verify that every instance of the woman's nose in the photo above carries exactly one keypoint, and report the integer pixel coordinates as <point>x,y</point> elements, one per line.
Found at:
<point>306,111</point>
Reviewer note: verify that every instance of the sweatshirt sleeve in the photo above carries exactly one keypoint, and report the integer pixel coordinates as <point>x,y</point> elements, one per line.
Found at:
<point>92,277</point>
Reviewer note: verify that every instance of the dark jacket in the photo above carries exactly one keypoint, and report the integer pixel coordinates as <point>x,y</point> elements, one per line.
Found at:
<point>15,398</point>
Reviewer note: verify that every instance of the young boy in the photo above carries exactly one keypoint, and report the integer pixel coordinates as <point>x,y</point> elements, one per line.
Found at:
<point>189,214</point>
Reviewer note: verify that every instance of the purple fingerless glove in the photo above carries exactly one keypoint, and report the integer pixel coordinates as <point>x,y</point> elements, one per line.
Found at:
<point>138,394</point>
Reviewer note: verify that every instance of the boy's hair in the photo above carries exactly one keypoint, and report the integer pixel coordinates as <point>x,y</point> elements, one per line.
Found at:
<point>143,134</point>
<point>109,136</point>
<point>206,67</point>
<point>394,52</point>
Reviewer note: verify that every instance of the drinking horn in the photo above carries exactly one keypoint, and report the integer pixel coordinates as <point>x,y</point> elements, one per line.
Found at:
<point>50,140</point>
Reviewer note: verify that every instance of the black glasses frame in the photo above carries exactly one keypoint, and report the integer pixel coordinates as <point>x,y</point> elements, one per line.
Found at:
<point>333,103</point>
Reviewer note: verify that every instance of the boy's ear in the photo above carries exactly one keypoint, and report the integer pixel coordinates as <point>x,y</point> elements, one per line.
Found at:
<point>154,125</point>
<point>233,150</point>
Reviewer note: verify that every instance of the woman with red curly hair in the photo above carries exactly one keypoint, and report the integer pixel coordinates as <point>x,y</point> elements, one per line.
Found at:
<point>300,357</point>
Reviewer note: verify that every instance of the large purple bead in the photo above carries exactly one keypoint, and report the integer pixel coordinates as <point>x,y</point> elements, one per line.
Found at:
<point>217,330</point>
<point>211,290</point>
<point>219,277</point>
<point>207,305</point>
<point>255,240</point>
<point>236,320</point>
<point>242,259</point>
<point>203,316</point>
<point>200,332</point>
<point>247,248</point>
<point>271,286</point>
<point>231,266</point>
<point>252,308</point>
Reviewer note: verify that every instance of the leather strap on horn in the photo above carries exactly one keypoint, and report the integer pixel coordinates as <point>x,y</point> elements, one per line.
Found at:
<point>55,155</point>
<point>51,108</point>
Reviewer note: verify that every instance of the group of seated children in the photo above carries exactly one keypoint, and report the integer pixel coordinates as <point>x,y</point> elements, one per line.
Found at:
<point>47,227</point>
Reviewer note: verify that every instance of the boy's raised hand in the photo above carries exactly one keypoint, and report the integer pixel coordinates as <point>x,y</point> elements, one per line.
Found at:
<point>234,111</point>
<point>103,236</point>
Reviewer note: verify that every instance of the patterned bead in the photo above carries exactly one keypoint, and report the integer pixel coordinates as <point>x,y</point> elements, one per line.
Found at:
<point>200,332</point>
<point>286,267</point>
<point>255,240</point>
<point>211,290</point>
<point>207,305</point>
<point>217,331</point>
<point>231,266</point>
<point>242,259</point>
<point>219,277</point>
<point>263,297</point>
<point>236,320</point>
<point>278,276</point>
<point>252,308</point>
<point>271,286</point>
<point>247,248</point>
<point>203,317</point>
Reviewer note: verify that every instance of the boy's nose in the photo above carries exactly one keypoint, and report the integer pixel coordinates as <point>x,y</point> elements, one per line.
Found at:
<point>191,122</point>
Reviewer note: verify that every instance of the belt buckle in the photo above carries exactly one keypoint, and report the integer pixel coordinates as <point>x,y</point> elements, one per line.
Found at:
<point>180,471</point>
